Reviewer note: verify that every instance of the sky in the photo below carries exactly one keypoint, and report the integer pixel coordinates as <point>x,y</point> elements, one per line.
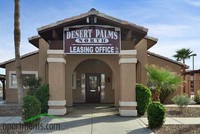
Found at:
<point>176,23</point>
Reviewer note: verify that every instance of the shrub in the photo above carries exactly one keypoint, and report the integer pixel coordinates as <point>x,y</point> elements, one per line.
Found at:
<point>42,94</point>
<point>143,98</point>
<point>156,114</point>
<point>162,79</point>
<point>31,108</point>
<point>32,83</point>
<point>197,99</point>
<point>181,100</point>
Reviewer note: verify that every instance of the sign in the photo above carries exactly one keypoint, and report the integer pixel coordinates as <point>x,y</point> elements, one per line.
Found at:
<point>92,40</point>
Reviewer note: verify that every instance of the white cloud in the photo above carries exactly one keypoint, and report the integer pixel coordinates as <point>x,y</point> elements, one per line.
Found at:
<point>195,3</point>
<point>166,30</point>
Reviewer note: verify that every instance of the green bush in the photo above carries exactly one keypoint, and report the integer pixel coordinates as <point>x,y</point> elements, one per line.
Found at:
<point>42,94</point>
<point>156,114</point>
<point>197,99</point>
<point>181,100</point>
<point>31,108</point>
<point>143,98</point>
<point>32,84</point>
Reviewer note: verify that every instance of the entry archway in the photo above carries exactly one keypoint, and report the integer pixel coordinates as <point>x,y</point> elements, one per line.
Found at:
<point>92,82</point>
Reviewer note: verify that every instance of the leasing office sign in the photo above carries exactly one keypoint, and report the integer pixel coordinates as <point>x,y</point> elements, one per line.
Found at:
<point>92,40</point>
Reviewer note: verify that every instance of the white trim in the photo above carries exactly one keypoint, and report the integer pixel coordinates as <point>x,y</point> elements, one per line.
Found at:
<point>56,103</point>
<point>57,111</point>
<point>56,60</point>
<point>128,112</point>
<point>128,103</point>
<point>23,72</point>
<point>55,51</point>
<point>128,52</point>
<point>127,60</point>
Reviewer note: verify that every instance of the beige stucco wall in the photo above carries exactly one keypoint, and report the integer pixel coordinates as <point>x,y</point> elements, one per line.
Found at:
<point>94,66</point>
<point>72,61</point>
<point>29,63</point>
<point>141,56</point>
<point>43,72</point>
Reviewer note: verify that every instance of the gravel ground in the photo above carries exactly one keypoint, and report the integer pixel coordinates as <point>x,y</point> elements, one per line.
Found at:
<point>178,129</point>
<point>187,112</point>
<point>10,111</point>
<point>6,129</point>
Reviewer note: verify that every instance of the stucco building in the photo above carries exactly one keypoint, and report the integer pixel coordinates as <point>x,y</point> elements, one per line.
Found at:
<point>89,58</point>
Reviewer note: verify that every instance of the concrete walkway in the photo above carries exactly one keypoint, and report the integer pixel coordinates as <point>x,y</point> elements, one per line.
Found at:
<point>95,120</point>
<point>98,120</point>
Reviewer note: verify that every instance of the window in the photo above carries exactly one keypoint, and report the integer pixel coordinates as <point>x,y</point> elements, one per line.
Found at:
<point>25,74</point>
<point>83,86</point>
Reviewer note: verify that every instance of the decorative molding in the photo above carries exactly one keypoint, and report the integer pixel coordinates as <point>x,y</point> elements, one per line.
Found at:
<point>128,52</point>
<point>128,103</point>
<point>127,60</point>
<point>56,60</point>
<point>128,112</point>
<point>55,51</point>
<point>23,72</point>
<point>56,103</point>
<point>57,111</point>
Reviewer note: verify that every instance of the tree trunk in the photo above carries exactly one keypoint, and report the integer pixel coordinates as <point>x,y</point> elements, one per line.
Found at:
<point>17,36</point>
<point>156,96</point>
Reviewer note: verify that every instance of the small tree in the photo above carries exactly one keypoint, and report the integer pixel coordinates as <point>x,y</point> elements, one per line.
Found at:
<point>162,79</point>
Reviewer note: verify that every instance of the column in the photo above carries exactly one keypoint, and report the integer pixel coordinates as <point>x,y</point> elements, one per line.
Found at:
<point>56,69</point>
<point>196,83</point>
<point>127,63</point>
<point>188,84</point>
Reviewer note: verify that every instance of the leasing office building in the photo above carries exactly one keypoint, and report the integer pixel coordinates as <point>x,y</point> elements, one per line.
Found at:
<point>90,58</point>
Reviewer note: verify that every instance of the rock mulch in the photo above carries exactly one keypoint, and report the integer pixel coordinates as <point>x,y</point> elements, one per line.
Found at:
<point>178,129</point>
<point>10,111</point>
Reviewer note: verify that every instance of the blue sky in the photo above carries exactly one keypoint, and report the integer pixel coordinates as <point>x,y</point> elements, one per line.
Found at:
<point>176,23</point>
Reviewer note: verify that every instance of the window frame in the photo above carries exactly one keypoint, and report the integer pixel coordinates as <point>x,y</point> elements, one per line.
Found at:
<point>23,72</point>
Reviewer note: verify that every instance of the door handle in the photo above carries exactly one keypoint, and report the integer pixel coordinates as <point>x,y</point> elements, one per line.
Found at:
<point>99,88</point>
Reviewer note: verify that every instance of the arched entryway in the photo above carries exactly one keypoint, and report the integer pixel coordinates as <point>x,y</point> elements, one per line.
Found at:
<point>92,82</point>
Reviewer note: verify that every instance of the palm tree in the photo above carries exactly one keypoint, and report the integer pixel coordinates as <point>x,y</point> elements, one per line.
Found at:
<point>17,36</point>
<point>183,54</point>
<point>162,79</point>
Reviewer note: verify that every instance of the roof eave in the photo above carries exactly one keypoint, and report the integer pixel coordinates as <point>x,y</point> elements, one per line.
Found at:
<point>168,59</point>
<point>94,12</point>
<point>3,64</point>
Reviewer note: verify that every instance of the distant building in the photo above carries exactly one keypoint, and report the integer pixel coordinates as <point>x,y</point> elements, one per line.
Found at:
<point>90,58</point>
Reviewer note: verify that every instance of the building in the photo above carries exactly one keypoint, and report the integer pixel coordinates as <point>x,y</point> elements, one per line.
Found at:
<point>192,78</point>
<point>89,58</point>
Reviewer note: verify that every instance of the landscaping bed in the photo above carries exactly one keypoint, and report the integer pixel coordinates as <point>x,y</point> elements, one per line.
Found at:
<point>178,129</point>
<point>17,130</point>
<point>10,111</point>
<point>187,112</point>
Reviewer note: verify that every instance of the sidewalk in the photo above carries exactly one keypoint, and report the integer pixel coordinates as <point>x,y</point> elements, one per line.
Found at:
<point>98,120</point>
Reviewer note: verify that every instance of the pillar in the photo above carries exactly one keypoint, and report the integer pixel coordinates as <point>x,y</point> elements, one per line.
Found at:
<point>188,85</point>
<point>56,69</point>
<point>127,63</point>
<point>196,83</point>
